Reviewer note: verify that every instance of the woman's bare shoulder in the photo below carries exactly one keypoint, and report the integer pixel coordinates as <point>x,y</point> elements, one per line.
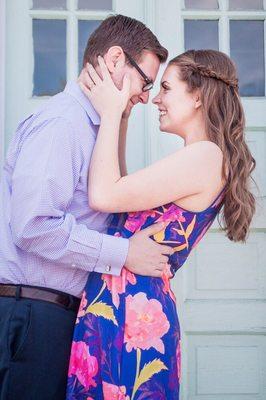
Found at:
<point>201,147</point>
<point>202,154</point>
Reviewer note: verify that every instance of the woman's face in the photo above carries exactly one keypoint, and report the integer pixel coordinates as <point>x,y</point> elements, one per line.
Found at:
<point>177,107</point>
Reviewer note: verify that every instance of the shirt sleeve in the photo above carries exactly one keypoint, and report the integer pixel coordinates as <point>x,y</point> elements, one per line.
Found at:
<point>44,179</point>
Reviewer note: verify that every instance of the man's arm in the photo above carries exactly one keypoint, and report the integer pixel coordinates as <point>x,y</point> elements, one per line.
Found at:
<point>46,174</point>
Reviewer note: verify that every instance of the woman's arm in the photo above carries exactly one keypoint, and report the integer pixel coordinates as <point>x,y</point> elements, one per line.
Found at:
<point>122,145</point>
<point>181,174</point>
<point>184,173</point>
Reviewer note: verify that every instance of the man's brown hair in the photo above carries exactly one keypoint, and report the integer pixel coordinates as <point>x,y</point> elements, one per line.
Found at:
<point>130,34</point>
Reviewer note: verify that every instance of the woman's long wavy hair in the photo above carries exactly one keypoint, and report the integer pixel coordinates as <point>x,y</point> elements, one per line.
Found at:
<point>214,75</point>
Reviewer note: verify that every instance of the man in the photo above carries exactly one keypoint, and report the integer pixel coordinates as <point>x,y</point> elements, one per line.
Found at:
<point>50,238</point>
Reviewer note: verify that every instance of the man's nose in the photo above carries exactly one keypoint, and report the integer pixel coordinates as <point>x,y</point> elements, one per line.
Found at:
<point>144,97</point>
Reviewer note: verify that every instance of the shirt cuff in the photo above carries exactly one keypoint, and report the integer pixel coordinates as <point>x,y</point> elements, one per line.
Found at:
<point>113,255</point>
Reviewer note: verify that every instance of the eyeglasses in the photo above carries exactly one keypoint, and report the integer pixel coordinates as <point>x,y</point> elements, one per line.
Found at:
<point>149,83</point>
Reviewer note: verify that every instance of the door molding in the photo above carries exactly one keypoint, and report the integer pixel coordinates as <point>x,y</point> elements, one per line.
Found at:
<point>2,80</point>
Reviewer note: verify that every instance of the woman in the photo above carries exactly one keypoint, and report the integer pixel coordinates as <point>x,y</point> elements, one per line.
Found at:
<point>127,338</point>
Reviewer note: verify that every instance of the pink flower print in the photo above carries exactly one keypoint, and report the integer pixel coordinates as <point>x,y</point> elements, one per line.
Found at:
<point>178,357</point>
<point>145,323</point>
<point>167,274</point>
<point>83,365</point>
<point>173,213</point>
<point>82,307</point>
<point>113,392</point>
<point>117,284</point>
<point>136,220</point>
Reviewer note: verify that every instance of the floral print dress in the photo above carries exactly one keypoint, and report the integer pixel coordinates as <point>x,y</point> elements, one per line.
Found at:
<point>126,343</point>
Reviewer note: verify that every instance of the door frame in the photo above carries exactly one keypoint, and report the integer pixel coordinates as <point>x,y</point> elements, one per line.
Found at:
<point>2,79</point>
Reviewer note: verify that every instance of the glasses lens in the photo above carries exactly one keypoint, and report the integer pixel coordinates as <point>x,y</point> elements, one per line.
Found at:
<point>147,87</point>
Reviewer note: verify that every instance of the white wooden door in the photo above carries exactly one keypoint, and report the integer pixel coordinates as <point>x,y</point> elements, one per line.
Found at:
<point>221,290</point>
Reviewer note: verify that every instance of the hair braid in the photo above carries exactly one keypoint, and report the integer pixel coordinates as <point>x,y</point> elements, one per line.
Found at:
<point>207,72</point>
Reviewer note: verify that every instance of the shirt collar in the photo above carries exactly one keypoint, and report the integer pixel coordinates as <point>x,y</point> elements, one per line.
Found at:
<point>74,90</point>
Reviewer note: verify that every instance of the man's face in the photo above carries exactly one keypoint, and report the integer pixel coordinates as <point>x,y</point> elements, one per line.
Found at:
<point>149,64</point>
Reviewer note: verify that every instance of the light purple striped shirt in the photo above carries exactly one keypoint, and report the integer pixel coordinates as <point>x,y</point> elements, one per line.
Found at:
<point>49,236</point>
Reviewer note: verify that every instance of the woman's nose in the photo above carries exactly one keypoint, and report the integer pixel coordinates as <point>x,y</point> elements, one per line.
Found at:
<point>156,99</point>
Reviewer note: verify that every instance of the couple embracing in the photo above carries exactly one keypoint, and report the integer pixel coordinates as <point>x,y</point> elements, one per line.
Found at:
<point>88,251</point>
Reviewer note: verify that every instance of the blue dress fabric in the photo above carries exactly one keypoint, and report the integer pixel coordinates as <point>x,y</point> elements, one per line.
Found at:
<point>126,343</point>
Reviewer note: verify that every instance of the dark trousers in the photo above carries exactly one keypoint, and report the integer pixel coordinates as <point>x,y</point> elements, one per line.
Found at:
<point>35,344</point>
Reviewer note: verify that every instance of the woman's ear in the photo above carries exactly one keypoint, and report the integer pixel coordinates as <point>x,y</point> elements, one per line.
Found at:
<point>114,58</point>
<point>197,100</point>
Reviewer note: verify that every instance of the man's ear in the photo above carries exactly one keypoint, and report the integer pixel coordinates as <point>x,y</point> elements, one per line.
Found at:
<point>115,58</point>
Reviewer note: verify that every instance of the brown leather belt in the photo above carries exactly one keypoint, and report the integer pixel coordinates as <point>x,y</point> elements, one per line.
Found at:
<point>39,293</point>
